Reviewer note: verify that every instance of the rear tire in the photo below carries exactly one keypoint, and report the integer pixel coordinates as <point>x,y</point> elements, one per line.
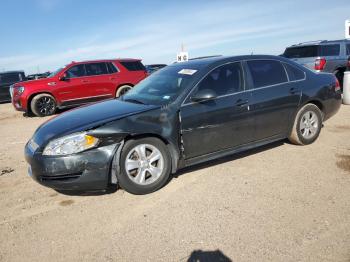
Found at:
<point>340,76</point>
<point>145,166</point>
<point>307,125</point>
<point>43,105</point>
<point>122,90</point>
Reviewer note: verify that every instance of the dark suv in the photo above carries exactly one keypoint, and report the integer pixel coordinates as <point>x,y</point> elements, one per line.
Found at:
<point>76,84</point>
<point>322,56</point>
<point>6,80</point>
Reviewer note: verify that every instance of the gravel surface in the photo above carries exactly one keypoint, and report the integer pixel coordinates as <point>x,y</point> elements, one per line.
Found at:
<point>276,203</point>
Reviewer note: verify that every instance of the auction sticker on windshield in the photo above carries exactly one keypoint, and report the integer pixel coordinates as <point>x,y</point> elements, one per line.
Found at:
<point>187,71</point>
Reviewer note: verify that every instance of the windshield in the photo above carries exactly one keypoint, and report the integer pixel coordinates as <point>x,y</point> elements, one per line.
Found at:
<point>55,72</point>
<point>162,87</point>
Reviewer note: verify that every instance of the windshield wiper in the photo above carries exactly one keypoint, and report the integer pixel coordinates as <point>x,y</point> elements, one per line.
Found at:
<point>132,100</point>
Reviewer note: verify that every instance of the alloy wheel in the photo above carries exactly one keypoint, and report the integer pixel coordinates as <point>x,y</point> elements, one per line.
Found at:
<point>309,124</point>
<point>46,105</point>
<point>144,164</point>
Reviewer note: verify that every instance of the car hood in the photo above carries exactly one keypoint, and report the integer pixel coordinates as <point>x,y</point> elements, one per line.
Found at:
<point>36,82</point>
<point>86,118</point>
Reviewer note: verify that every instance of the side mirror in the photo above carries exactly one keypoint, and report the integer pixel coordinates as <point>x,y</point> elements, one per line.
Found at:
<point>203,95</point>
<point>63,77</point>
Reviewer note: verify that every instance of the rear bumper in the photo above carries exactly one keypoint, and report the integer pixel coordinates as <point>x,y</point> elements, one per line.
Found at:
<point>332,106</point>
<point>86,171</point>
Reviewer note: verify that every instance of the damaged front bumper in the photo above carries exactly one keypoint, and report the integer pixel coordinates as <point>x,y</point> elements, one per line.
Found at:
<point>85,171</point>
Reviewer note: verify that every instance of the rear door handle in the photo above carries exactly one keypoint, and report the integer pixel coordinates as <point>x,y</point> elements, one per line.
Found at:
<point>294,90</point>
<point>241,102</point>
<point>85,81</point>
<point>112,78</point>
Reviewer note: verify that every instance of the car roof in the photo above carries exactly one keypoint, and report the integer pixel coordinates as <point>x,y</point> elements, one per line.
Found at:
<point>320,42</point>
<point>107,60</point>
<point>208,61</point>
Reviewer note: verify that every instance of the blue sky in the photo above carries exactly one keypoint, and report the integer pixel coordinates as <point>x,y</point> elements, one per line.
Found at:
<point>46,34</point>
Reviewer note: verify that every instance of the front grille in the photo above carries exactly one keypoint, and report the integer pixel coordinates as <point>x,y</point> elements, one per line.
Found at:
<point>67,177</point>
<point>11,91</point>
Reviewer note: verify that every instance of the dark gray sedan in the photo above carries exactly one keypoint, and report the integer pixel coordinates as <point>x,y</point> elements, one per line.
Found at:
<point>184,114</point>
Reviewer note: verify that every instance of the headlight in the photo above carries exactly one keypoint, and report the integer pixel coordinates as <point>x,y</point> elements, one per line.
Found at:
<point>20,89</point>
<point>71,144</point>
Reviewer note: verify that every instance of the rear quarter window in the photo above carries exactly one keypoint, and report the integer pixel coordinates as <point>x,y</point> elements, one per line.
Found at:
<point>267,72</point>
<point>302,51</point>
<point>294,73</point>
<point>330,50</point>
<point>133,65</point>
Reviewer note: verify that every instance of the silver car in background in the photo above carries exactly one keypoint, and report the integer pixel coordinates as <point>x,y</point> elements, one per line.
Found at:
<point>322,56</point>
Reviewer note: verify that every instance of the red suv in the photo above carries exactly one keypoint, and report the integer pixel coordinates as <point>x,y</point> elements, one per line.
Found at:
<point>76,84</point>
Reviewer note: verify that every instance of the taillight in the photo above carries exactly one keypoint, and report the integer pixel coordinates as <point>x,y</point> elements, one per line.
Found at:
<point>320,63</point>
<point>337,85</point>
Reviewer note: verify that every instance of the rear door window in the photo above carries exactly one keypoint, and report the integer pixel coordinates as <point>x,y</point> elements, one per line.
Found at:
<point>133,65</point>
<point>302,51</point>
<point>95,69</point>
<point>267,72</point>
<point>330,50</point>
<point>76,71</point>
<point>294,73</point>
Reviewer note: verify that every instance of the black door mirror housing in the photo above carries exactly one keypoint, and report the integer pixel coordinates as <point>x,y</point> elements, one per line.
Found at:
<point>63,77</point>
<point>204,95</point>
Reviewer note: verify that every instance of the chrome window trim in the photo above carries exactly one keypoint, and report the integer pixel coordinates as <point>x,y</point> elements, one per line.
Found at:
<point>192,90</point>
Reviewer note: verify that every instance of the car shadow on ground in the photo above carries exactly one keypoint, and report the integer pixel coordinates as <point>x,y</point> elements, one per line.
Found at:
<point>208,256</point>
<point>229,158</point>
<point>113,188</point>
<point>58,112</point>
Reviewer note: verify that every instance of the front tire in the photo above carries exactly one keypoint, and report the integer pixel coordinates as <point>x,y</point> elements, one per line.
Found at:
<point>145,166</point>
<point>307,125</point>
<point>122,90</point>
<point>43,105</point>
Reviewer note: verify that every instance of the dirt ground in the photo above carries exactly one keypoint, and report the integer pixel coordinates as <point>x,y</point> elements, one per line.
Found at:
<point>277,203</point>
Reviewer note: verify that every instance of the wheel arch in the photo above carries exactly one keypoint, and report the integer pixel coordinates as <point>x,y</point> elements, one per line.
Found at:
<point>124,84</point>
<point>171,147</point>
<point>315,102</point>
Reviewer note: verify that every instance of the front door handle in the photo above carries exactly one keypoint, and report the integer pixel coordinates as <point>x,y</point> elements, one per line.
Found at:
<point>241,102</point>
<point>294,90</point>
